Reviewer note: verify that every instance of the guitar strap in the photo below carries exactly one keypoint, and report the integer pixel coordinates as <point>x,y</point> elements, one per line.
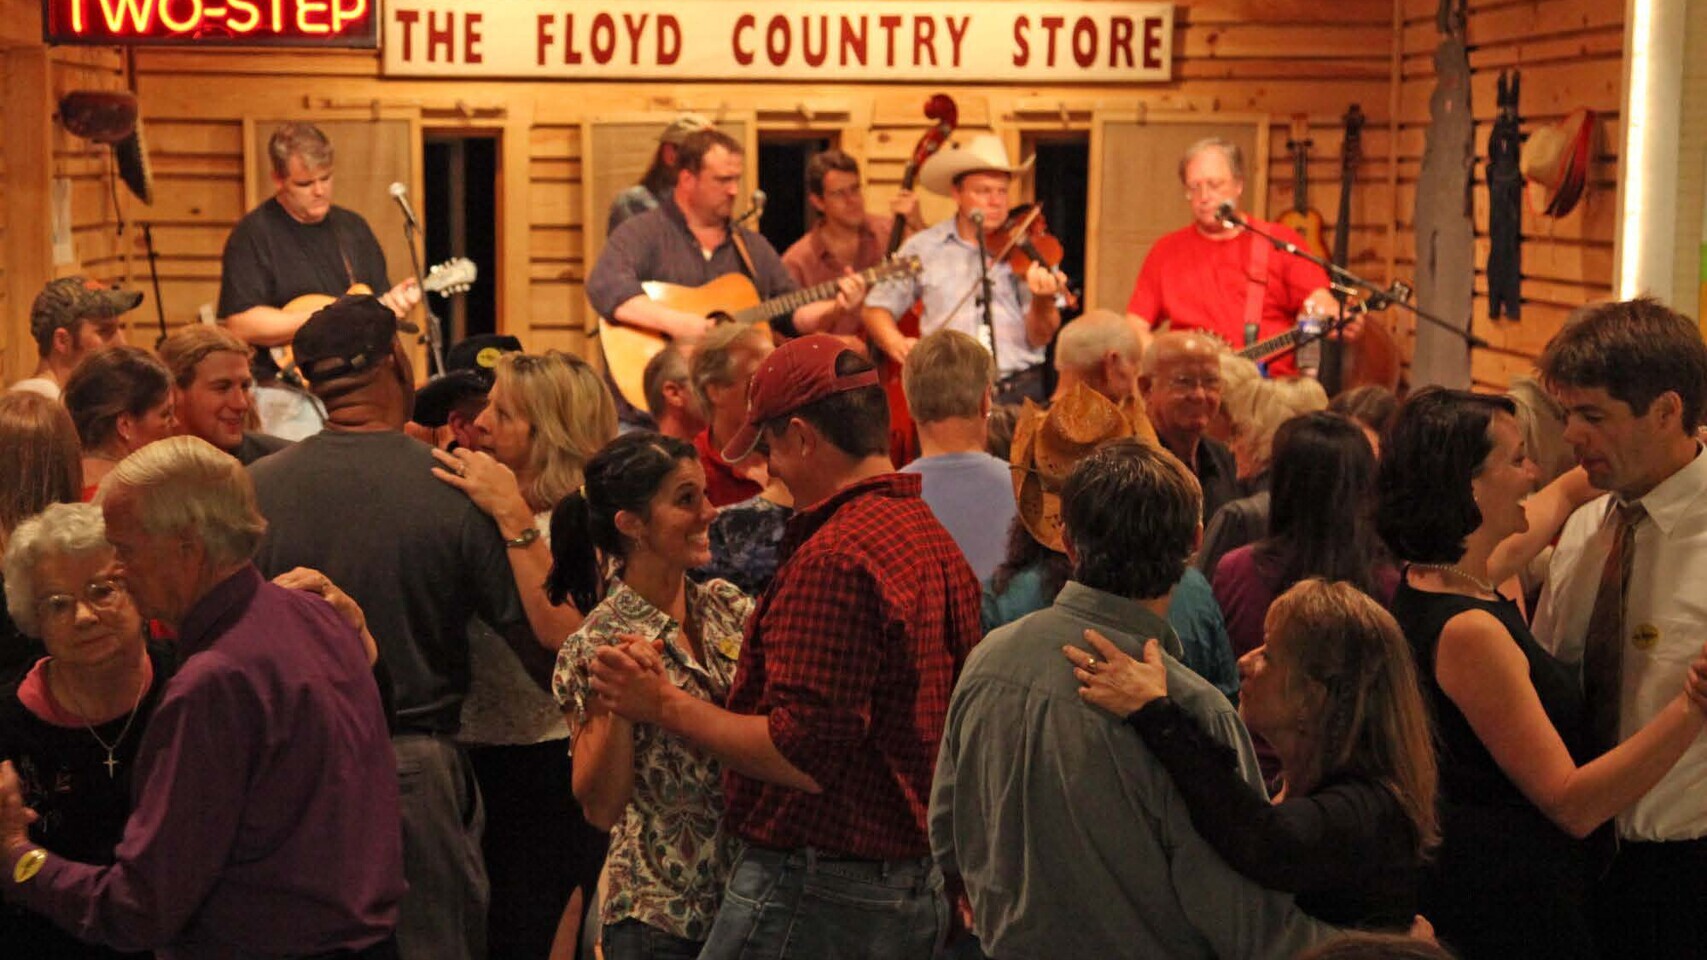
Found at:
<point>1256,287</point>
<point>740,243</point>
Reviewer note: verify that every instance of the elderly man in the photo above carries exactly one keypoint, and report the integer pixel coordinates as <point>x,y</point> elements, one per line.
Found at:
<point>1181,383</point>
<point>266,820</point>
<point>1623,595</point>
<point>70,317</point>
<point>1209,275</point>
<point>948,379</point>
<point>674,406</point>
<point>1043,805</point>
<point>359,501</point>
<point>720,371</point>
<point>1100,350</point>
<point>213,391</point>
<point>829,735</point>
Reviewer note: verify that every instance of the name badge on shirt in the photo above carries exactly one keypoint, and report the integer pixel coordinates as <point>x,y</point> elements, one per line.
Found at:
<point>1646,637</point>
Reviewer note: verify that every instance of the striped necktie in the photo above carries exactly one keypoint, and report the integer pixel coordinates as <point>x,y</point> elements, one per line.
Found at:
<point>1603,645</point>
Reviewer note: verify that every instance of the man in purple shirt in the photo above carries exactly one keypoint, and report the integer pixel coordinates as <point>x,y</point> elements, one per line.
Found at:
<point>265,819</point>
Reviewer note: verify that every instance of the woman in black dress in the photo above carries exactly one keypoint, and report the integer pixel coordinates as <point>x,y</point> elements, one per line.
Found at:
<point>1519,791</point>
<point>72,725</point>
<point>1334,691</point>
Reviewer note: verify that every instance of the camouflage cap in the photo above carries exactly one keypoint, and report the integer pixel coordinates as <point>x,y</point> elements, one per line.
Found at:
<point>63,302</point>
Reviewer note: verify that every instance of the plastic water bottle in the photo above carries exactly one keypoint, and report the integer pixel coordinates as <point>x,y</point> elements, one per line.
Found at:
<point>1310,344</point>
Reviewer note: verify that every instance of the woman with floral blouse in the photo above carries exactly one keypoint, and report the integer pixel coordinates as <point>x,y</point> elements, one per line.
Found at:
<point>644,507</point>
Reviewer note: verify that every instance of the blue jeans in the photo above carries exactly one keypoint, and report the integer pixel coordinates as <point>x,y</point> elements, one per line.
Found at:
<point>637,940</point>
<point>783,904</point>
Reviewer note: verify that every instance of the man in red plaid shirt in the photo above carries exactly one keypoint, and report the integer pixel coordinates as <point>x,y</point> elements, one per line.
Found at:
<point>830,736</point>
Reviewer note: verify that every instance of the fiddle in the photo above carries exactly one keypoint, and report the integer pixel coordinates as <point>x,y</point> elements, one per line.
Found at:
<point>1024,239</point>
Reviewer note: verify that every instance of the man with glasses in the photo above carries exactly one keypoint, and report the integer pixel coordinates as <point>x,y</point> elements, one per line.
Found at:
<point>1222,279</point>
<point>844,236</point>
<point>1024,308</point>
<point>1181,383</point>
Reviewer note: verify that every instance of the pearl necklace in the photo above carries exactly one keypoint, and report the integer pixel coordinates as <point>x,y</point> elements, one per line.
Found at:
<point>1452,568</point>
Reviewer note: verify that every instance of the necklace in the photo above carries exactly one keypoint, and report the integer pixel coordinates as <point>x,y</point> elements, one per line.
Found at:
<point>111,763</point>
<point>1455,570</point>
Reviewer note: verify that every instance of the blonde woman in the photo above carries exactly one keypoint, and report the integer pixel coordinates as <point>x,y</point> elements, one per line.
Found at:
<point>545,417</point>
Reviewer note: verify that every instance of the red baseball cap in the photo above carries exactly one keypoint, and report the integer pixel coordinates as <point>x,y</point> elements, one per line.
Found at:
<point>797,373</point>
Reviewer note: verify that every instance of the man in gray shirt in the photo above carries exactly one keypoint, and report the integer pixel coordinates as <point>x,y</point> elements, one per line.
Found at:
<point>1068,835</point>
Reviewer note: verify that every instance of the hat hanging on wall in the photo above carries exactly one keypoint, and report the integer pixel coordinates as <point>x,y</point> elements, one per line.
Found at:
<point>112,117</point>
<point>1555,163</point>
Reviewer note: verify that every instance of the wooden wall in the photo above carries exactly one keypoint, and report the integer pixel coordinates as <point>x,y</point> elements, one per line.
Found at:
<point>1275,56</point>
<point>35,152</point>
<point>1570,53</point>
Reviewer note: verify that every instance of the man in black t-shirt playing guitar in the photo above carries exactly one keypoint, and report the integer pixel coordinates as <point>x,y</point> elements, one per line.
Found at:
<point>298,242</point>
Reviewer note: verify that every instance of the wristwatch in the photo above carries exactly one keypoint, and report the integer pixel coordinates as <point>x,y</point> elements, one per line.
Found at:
<point>525,538</point>
<point>29,864</point>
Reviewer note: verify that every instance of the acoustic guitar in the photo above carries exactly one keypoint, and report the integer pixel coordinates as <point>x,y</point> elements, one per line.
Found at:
<point>450,278</point>
<point>1302,217</point>
<point>731,298</point>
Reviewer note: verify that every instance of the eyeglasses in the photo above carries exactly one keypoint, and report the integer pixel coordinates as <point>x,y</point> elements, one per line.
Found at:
<point>60,609</point>
<point>845,193</point>
<point>1213,188</point>
<point>1188,384</point>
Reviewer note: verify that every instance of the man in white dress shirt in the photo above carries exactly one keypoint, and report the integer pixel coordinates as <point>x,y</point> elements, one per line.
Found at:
<point>1632,377</point>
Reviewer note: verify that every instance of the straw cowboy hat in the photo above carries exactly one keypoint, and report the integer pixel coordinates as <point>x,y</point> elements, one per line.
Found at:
<point>983,153</point>
<point>1555,162</point>
<point>1048,444</point>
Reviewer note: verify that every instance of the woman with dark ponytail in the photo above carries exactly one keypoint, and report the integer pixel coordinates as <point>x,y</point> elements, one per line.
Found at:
<point>643,510</point>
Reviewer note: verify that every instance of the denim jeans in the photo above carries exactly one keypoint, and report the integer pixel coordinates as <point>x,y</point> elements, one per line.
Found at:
<point>637,940</point>
<point>443,914</point>
<point>797,905</point>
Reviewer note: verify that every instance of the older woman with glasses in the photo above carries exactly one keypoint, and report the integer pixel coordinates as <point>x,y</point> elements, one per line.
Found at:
<point>71,726</point>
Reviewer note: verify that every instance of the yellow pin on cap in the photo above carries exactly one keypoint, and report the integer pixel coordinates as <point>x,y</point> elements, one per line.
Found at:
<point>487,358</point>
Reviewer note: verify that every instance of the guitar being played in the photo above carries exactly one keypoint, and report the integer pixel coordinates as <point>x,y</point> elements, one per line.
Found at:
<point>299,242</point>
<point>1223,279</point>
<point>690,241</point>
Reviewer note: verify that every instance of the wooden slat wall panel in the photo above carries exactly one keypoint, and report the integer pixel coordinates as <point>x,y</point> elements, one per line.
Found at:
<point>1275,56</point>
<point>1570,53</point>
<point>96,215</point>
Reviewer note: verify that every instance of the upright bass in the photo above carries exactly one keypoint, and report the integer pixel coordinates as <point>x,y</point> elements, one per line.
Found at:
<point>903,438</point>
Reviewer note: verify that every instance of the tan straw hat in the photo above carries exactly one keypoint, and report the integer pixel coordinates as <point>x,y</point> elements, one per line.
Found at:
<point>1048,444</point>
<point>983,153</point>
<point>1555,161</point>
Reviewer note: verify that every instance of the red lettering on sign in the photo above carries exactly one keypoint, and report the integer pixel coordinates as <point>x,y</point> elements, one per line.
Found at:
<point>669,39</point>
<point>407,19</point>
<point>815,58</point>
<point>853,41</point>
<point>440,38</point>
<point>1120,40</point>
<point>1084,42</point>
<point>1152,43</point>
<point>743,56</point>
<point>957,34</point>
<point>471,38</point>
<point>889,22</point>
<point>924,40</point>
<point>1022,46</point>
<point>634,31</point>
<point>777,40</point>
<point>1051,25</point>
<point>542,37</point>
<point>603,49</point>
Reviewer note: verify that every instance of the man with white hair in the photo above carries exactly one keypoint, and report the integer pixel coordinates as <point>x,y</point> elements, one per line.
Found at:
<point>266,818</point>
<point>1101,350</point>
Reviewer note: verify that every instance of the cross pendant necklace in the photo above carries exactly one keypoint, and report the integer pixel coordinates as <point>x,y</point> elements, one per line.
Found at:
<point>111,763</point>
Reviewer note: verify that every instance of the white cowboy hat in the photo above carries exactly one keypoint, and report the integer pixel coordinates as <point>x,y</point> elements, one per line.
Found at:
<point>984,152</point>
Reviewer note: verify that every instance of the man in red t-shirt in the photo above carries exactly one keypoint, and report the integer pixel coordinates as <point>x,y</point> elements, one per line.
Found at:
<point>1205,275</point>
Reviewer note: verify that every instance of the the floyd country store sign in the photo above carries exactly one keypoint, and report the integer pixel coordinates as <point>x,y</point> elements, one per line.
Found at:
<point>840,40</point>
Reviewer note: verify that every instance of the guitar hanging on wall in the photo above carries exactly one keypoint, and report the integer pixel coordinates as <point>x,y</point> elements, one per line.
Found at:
<point>1303,218</point>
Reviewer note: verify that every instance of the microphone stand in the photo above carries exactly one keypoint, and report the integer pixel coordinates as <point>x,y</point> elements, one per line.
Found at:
<point>433,334</point>
<point>987,293</point>
<point>1376,299</point>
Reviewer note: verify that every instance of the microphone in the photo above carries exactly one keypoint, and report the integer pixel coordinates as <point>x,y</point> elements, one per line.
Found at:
<point>977,218</point>
<point>755,211</point>
<point>1229,214</point>
<point>400,193</point>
